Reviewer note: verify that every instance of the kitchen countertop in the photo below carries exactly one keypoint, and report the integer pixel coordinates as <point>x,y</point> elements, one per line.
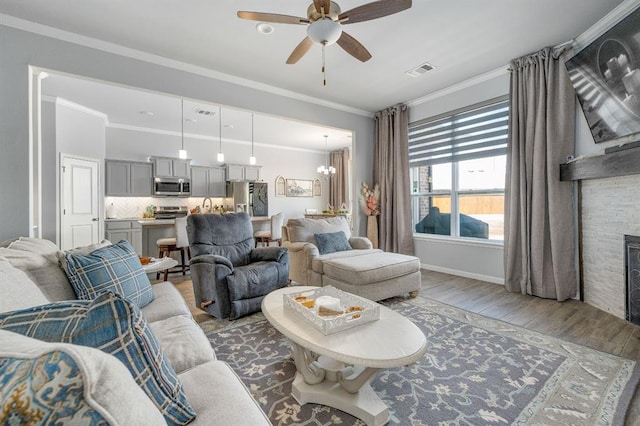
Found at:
<point>164,222</point>
<point>156,222</point>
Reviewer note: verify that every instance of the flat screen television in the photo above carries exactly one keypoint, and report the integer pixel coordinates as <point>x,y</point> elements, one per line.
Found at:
<point>606,78</point>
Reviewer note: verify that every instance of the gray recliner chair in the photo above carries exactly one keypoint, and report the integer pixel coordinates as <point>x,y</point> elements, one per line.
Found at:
<point>231,277</point>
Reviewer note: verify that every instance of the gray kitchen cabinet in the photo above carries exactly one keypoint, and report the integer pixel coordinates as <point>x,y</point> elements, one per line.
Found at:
<point>165,166</point>
<point>252,173</point>
<point>126,229</point>
<point>128,179</point>
<point>208,182</point>
<point>141,179</point>
<point>242,172</point>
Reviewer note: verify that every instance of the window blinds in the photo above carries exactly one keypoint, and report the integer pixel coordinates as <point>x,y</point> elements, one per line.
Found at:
<point>475,133</point>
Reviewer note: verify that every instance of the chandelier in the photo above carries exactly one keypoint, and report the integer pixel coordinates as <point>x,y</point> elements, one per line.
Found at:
<point>326,169</point>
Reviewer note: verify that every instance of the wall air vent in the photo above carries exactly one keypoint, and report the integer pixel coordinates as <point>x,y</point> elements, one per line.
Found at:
<point>205,112</point>
<point>420,70</point>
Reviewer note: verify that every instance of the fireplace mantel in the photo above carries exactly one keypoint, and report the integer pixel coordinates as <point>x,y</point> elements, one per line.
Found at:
<point>620,163</point>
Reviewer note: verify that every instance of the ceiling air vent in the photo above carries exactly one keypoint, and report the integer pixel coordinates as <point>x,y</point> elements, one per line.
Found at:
<point>420,69</point>
<point>205,112</point>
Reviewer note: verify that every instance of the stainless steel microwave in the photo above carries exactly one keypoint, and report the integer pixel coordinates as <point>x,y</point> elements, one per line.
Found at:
<point>171,187</point>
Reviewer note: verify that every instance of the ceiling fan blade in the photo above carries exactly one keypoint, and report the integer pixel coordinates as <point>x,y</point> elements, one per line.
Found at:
<point>373,10</point>
<point>353,47</point>
<point>300,50</point>
<point>320,4</point>
<point>272,17</point>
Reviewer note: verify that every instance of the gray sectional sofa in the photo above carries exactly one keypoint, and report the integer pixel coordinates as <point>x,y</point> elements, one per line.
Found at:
<point>30,275</point>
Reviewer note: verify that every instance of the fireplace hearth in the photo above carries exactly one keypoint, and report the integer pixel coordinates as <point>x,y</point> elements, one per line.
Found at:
<point>632,263</point>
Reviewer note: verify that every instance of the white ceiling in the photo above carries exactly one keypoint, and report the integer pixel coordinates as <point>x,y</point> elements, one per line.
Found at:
<point>462,39</point>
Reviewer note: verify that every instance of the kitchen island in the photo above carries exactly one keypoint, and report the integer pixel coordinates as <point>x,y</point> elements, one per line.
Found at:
<point>154,229</point>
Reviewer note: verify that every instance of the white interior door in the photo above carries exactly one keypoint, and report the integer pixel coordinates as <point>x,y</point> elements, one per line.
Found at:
<point>79,201</point>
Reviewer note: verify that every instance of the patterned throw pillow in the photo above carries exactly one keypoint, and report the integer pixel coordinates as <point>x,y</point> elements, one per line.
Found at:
<point>117,327</point>
<point>115,268</point>
<point>59,383</point>
<point>45,390</point>
<point>332,242</point>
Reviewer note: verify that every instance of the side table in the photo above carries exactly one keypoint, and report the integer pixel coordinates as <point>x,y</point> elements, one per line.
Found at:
<point>160,265</point>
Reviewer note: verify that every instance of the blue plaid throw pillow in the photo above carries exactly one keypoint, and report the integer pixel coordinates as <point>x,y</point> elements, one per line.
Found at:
<point>115,268</point>
<point>117,327</point>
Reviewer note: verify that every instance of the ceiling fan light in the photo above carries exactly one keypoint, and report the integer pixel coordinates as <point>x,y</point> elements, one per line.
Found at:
<point>324,31</point>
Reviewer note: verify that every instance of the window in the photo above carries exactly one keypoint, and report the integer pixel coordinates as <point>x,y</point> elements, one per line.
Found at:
<point>457,169</point>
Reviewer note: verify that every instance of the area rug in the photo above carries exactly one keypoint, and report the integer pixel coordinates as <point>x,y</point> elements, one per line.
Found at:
<point>477,371</point>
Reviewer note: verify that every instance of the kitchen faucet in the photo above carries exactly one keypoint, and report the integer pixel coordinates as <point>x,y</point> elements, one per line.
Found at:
<point>210,204</point>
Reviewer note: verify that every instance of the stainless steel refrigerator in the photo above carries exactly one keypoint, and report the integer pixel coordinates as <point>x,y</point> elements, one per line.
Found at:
<point>250,197</point>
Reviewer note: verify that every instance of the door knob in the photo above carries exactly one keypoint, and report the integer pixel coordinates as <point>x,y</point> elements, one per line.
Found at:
<point>95,219</point>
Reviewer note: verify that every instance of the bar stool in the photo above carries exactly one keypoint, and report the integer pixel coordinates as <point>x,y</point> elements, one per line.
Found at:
<point>275,234</point>
<point>178,243</point>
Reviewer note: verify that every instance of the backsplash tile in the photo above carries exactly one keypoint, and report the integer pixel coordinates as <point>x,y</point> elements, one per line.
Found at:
<point>128,207</point>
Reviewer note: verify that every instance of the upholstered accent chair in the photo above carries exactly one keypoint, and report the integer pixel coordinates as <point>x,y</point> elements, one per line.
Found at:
<point>231,277</point>
<point>324,253</point>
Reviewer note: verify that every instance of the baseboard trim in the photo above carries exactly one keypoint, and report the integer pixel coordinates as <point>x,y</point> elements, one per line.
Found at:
<point>480,277</point>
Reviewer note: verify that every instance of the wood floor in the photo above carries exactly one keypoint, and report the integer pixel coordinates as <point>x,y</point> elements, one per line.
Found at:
<point>571,320</point>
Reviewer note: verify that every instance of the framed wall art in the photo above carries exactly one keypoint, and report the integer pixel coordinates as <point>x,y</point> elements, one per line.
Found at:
<point>317,188</point>
<point>299,188</point>
<point>281,186</point>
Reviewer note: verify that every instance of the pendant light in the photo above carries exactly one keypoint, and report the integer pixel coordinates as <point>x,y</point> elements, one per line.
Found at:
<point>252,159</point>
<point>220,153</point>
<point>326,169</point>
<point>182,153</point>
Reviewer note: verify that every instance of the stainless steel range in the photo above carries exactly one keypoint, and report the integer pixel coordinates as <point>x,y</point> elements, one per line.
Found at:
<point>170,212</point>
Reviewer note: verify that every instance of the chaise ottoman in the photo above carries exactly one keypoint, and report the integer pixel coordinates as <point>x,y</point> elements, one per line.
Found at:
<point>375,276</point>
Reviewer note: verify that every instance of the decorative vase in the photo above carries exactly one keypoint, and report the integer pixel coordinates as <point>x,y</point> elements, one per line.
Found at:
<point>372,230</point>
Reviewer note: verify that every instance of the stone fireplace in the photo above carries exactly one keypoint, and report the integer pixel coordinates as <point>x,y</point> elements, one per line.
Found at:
<point>610,209</point>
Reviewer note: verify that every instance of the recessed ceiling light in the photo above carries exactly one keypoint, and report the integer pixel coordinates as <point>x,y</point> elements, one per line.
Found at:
<point>147,113</point>
<point>264,28</point>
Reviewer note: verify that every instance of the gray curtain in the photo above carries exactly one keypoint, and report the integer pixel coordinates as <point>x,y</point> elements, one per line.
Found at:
<point>539,219</point>
<point>391,172</point>
<point>339,186</point>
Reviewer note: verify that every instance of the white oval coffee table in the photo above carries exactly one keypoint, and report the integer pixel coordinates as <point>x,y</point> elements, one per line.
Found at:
<point>336,369</point>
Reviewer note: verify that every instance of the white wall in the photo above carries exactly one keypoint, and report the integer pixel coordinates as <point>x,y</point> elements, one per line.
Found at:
<point>77,133</point>
<point>49,186</point>
<point>20,49</point>
<point>469,258</point>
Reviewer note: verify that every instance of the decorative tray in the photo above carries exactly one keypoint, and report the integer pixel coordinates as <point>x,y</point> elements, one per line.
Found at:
<point>362,310</point>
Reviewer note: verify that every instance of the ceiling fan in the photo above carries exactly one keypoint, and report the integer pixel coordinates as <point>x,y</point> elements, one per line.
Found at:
<point>324,24</point>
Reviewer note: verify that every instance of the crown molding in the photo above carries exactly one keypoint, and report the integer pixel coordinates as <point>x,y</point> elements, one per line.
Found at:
<point>56,33</point>
<point>489,75</point>
<point>80,108</point>
<point>605,23</point>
